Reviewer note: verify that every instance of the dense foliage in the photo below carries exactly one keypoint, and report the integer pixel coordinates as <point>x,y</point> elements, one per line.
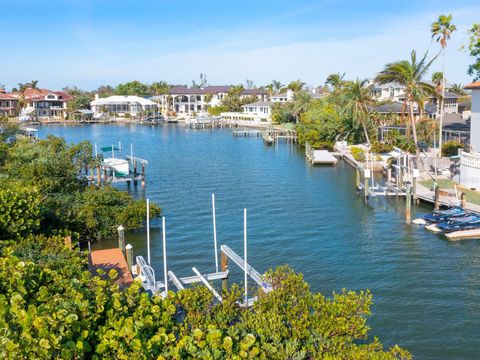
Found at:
<point>474,50</point>
<point>51,307</point>
<point>450,148</point>
<point>43,189</point>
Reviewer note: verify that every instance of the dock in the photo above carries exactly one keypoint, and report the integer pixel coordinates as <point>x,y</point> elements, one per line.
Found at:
<point>109,259</point>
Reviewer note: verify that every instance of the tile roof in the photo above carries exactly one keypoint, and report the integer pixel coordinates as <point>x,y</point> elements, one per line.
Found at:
<point>474,85</point>
<point>254,92</point>
<point>260,103</point>
<point>8,96</point>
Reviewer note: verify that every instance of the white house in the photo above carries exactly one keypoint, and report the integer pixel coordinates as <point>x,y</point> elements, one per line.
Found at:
<point>257,112</point>
<point>283,97</point>
<point>121,105</point>
<point>470,162</point>
<point>185,101</point>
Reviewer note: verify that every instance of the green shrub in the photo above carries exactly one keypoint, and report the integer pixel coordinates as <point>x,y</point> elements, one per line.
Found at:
<point>450,148</point>
<point>358,153</point>
<point>381,148</point>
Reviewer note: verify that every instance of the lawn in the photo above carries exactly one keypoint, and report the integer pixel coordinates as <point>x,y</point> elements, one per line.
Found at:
<point>472,196</point>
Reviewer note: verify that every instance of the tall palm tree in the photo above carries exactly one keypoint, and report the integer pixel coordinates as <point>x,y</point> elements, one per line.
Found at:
<point>458,89</point>
<point>296,86</point>
<point>442,30</point>
<point>301,103</point>
<point>336,81</point>
<point>437,80</point>
<point>276,86</point>
<point>358,101</point>
<point>410,73</point>
<point>33,84</point>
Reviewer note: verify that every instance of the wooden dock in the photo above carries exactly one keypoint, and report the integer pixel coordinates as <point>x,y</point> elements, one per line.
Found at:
<point>109,259</point>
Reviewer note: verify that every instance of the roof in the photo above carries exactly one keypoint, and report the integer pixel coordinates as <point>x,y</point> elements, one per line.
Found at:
<point>451,95</point>
<point>393,107</point>
<point>474,85</point>
<point>4,96</point>
<point>40,94</point>
<point>455,122</point>
<point>260,103</point>
<point>215,89</point>
<point>254,92</point>
<point>282,95</point>
<point>119,99</point>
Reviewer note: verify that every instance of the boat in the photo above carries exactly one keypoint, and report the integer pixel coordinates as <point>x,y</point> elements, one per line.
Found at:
<point>443,215</point>
<point>268,139</point>
<point>119,167</point>
<point>461,223</point>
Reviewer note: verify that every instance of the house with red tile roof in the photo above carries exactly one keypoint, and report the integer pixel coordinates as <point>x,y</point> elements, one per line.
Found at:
<point>8,105</point>
<point>46,104</point>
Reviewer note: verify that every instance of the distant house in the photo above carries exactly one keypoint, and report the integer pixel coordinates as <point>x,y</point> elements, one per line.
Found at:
<point>287,96</point>
<point>185,101</point>
<point>257,112</point>
<point>44,103</point>
<point>470,161</point>
<point>8,105</point>
<point>122,105</point>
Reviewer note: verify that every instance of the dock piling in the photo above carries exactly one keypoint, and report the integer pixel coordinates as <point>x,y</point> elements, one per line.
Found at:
<point>224,263</point>
<point>121,238</point>
<point>463,200</point>
<point>437,198</point>
<point>408,204</point>
<point>129,253</point>
<point>366,176</point>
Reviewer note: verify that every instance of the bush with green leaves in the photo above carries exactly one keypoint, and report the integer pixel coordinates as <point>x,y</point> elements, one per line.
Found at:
<point>358,153</point>
<point>450,148</point>
<point>52,307</point>
<point>19,210</point>
<point>379,147</point>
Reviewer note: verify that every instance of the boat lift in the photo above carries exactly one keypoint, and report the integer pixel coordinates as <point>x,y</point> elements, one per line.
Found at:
<point>145,272</point>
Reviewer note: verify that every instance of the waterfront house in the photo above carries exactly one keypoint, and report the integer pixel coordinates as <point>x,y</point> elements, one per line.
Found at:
<point>257,112</point>
<point>185,101</point>
<point>284,97</point>
<point>122,105</point>
<point>46,104</point>
<point>8,105</point>
<point>470,161</point>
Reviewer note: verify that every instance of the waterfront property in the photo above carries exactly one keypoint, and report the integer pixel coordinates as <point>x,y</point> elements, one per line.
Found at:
<point>35,104</point>
<point>185,101</point>
<point>470,161</point>
<point>8,104</point>
<point>257,112</point>
<point>122,105</point>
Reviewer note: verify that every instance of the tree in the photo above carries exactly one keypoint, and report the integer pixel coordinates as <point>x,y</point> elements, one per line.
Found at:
<point>33,84</point>
<point>296,85</point>
<point>474,49</point>
<point>458,89</point>
<point>437,80</point>
<point>442,30</point>
<point>132,88</point>
<point>336,81</point>
<point>301,103</point>
<point>20,210</point>
<point>276,86</point>
<point>249,84</point>
<point>359,100</point>
<point>410,73</point>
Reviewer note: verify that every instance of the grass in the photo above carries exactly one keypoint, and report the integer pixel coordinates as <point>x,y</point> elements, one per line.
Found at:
<point>472,196</point>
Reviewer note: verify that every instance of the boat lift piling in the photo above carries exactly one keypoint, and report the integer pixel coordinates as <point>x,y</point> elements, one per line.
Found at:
<point>146,273</point>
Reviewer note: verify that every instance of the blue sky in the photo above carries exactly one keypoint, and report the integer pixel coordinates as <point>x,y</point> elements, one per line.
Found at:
<point>92,42</point>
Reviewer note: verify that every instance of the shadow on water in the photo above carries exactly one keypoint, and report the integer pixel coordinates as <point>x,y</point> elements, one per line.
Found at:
<point>426,289</point>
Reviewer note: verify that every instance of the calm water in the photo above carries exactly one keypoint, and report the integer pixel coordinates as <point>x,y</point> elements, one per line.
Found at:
<point>426,290</point>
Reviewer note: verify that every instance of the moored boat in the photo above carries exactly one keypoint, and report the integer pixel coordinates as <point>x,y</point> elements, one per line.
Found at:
<point>444,215</point>
<point>460,223</point>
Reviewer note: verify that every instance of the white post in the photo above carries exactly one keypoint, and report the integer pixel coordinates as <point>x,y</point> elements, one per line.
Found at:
<point>214,233</point>
<point>131,153</point>
<point>245,253</point>
<point>96,153</point>
<point>164,256</point>
<point>119,146</point>
<point>148,231</point>
<point>113,152</point>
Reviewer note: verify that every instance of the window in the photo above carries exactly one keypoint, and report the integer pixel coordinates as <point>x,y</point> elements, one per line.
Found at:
<point>392,92</point>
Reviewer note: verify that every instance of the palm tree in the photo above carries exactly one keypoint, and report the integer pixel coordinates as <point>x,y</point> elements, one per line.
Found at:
<point>33,84</point>
<point>410,74</point>
<point>458,89</point>
<point>437,80</point>
<point>160,88</point>
<point>296,85</point>
<point>276,86</point>
<point>442,30</point>
<point>359,100</point>
<point>336,81</point>
<point>301,103</point>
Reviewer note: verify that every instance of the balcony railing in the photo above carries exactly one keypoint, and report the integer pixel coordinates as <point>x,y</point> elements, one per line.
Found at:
<point>470,159</point>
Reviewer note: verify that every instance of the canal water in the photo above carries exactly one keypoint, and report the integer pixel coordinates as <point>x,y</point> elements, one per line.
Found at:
<point>426,290</point>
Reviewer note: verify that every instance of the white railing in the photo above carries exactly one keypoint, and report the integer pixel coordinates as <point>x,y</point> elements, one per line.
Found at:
<point>470,159</point>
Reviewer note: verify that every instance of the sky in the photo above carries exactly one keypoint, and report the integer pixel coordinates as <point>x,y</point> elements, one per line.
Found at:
<point>88,43</point>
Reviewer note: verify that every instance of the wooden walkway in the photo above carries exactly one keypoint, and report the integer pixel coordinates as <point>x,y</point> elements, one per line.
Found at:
<point>428,195</point>
<point>109,259</point>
